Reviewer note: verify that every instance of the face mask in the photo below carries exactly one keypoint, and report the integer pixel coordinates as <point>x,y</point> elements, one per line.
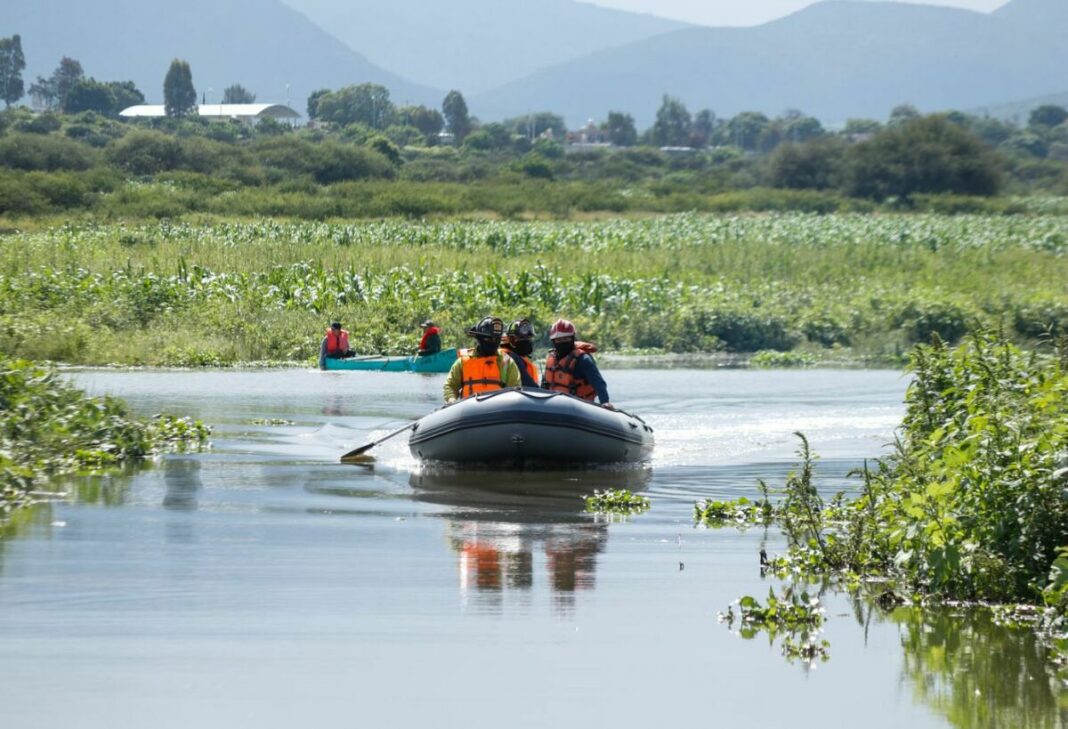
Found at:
<point>524,347</point>
<point>487,347</point>
<point>564,348</point>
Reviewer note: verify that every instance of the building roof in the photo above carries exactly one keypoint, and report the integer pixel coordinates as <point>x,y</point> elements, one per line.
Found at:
<point>227,111</point>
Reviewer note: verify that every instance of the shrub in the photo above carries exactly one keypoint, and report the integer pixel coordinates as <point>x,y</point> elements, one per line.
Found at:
<point>35,152</point>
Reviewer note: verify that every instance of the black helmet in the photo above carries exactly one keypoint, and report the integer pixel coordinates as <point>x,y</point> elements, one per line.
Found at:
<point>490,328</point>
<point>521,329</point>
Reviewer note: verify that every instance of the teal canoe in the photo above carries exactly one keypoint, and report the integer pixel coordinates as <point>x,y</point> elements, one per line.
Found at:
<point>440,362</point>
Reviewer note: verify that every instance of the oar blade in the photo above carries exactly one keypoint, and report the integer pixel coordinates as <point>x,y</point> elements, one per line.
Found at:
<point>357,458</point>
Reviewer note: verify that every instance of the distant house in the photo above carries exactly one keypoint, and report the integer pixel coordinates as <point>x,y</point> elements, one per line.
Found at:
<point>590,136</point>
<point>248,113</point>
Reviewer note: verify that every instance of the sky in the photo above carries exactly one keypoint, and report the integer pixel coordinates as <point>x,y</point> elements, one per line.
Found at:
<point>749,12</point>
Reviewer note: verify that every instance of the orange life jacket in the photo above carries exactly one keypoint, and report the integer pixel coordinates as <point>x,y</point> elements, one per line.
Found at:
<point>337,341</point>
<point>481,374</point>
<point>560,375</point>
<point>522,361</point>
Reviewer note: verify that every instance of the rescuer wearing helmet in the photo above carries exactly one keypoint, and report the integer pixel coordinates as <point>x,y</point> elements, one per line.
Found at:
<point>484,368</point>
<point>570,368</point>
<point>519,345</point>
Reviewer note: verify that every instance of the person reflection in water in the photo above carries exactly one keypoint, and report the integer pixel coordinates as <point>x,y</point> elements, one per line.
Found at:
<point>496,557</point>
<point>182,478</point>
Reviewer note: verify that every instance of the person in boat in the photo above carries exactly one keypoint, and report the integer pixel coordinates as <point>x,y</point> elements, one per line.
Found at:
<point>484,368</point>
<point>518,344</point>
<point>335,345</point>
<point>570,366</point>
<point>431,341</point>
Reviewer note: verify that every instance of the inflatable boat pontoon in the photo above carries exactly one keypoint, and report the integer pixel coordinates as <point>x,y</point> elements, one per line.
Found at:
<point>529,427</point>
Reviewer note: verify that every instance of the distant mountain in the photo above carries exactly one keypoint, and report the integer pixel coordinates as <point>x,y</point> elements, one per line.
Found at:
<point>835,60</point>
<point>262,44</point>
<point>475,45</point>
<point>1019,111</point>
<point>1037,14</point>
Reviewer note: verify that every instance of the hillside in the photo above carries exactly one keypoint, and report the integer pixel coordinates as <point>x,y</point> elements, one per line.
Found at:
<point>835,60</point>
<point>262,44</point>
<point>475,45</point>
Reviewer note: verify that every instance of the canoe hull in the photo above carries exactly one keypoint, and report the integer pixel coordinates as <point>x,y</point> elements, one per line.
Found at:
<point>532,428</point>
<point>440,362</point>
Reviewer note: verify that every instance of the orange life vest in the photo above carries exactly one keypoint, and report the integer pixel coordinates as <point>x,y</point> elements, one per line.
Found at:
<point>337,341</point>
<point>481,374</point>
<point>522,361</point>
<point>560,376</point>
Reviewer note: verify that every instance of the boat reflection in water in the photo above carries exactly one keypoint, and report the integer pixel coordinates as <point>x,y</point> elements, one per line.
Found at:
<point>513,530</point>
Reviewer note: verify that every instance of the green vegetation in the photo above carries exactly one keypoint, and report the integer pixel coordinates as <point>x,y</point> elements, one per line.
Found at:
<point>616,501</point>
<point>795,616</point>
<point>79,157</point>
<point>970,507</point>
<point>192,294</point>
<point>48,428</point>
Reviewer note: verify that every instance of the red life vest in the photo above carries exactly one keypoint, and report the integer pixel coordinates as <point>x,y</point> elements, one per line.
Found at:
<point>431,331</point>
<point>481,374</point>
<point>560,376</point>
<point>337,342</point>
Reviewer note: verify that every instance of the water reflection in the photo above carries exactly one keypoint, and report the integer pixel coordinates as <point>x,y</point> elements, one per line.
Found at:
<point>979,674</point>
<point>512,530</point>
<point>182,478</point>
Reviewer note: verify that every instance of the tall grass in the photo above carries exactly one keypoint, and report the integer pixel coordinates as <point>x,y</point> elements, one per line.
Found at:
<point>219,292</point>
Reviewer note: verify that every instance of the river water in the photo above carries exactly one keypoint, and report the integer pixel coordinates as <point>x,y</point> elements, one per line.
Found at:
<point>263,584</point>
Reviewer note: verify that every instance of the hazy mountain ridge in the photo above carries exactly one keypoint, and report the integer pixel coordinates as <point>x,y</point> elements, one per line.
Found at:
<point>262,44</point>
<point>475,45</point>
<point>835,59</point>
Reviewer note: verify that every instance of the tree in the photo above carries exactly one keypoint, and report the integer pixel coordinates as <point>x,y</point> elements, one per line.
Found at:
<point>457,119</point>
<point>428,121</point>
<point>313,102</point>
<point>126,94</point>
<point>855,127</point>
<point>672,125</point>
<point>746,129</point>
<point>52,91</point>
<point>90,95</point>
<point>366,103</point>
<point>12,64</point>
<point>925,155</point>
<point>1048,115</point>
<point>620,129</point>
<point>238,94</point>
<point>903,113</point>
<point>811,165</point>
<point>536,124</point>
<point>704,123</point>
<point>179,95</point>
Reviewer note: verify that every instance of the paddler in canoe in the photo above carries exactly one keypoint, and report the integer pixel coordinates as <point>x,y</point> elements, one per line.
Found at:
<point>482,369</point>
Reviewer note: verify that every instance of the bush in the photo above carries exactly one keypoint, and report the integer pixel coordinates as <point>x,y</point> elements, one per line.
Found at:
<point>146,153</point>
<point>35,152</point>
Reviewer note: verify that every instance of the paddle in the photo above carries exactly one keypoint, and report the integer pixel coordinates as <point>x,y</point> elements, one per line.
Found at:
<point>356,455</point>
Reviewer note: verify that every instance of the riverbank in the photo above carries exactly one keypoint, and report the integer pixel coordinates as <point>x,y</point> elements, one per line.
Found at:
<point>858,287</point>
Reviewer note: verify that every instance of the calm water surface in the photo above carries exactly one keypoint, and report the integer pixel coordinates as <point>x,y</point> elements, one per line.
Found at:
<point>262,584</point>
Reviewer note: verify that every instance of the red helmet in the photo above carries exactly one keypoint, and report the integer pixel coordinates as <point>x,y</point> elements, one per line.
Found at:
<point>562,329</point>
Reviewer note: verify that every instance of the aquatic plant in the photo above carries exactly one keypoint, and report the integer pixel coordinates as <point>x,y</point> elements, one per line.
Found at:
<point>616,501</point>
<point>796,617</point>
<point>739,512</point>
<point>49,428</point>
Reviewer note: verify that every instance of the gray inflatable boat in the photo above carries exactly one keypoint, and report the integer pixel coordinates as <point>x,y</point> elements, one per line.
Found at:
<point>537,428</point>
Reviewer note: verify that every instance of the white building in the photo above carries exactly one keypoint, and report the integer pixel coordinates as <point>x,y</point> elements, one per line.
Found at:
<point>248,113</point>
